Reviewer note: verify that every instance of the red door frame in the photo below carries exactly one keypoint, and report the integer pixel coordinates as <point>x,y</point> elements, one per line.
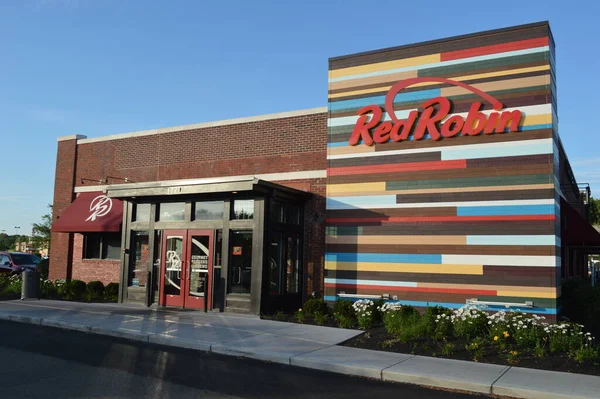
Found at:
<point>184,299</point>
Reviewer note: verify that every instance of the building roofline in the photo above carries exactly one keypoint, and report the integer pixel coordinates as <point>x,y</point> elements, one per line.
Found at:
<point>258,118</point>
<point>72,137</point>
<point>446,39</point>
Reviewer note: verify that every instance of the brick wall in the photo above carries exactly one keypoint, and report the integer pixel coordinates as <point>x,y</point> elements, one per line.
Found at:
<point>289,144</point>
<point>88,270</point>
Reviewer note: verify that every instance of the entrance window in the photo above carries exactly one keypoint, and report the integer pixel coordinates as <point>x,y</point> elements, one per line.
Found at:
<point>142,213</point>
<point>240,272</point>
<point>138,276</point>
<point>275,264</point>
<point>243,209</point>
<point>199,264</point>
<point>209,210</point>
<point>171,211</point>
<point>173,263</point>
<point>292,263</point>
<point>102,246</point>
<point>284,264</point>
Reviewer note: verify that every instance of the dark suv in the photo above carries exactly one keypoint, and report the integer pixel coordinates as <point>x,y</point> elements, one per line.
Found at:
<point>17,262</point>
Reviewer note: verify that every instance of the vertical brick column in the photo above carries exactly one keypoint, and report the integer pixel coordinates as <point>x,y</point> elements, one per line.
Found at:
<point>61,247</point>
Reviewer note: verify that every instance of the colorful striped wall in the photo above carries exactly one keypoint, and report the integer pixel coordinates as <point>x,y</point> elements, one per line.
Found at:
<point>439,222</point>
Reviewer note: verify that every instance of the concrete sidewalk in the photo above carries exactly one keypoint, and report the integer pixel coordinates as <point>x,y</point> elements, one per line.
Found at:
<point>298,345</point>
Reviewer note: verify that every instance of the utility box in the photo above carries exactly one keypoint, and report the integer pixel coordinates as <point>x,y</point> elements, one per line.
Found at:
<point>30,285</point>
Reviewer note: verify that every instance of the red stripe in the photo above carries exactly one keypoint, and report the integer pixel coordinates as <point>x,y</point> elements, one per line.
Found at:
<point>414,289</point>
<point>399,167</point>
<point>496,48</point>
<point>440,219</point>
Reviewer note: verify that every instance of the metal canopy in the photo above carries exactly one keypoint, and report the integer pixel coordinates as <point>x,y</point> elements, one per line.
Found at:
<point>156,189</point>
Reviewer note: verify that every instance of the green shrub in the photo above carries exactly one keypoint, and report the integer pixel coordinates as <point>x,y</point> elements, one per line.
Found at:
<point>95,291</point>
<point>43,268</point>
<point>11,285</point>
<point>299,316</point>
<point>48,289</point>
<point>75,290</point>
<point>378,315</point>
<point>477,348</point>
<point>470,322</point>
<point>586,353</point>
<point>344,313</point>
<point>279,316</point>
<point>364,310</point>
<point>314,305</point>
<point>321,318</point>
<point>111,292</point>
<point>61,288</point>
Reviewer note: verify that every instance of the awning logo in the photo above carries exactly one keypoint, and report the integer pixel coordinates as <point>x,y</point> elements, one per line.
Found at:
<point>100,206</point>
<point>370,127</point>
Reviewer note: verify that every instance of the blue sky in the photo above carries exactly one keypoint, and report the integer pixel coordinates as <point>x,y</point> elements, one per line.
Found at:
<point>99,67</point>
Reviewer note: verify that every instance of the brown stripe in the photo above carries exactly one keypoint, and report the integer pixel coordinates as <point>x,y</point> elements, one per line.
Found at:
<point>543,227</point>
<point>384,89</point>
<point>446,174</point>
<point>513,161</point>
<point>391,212</point>
<point>525,250</point>
<point>475,196</point>
<point>439,46</point>
<point>403,295</point>
<point>509,100</point>
<point>519,276</point>
<point>387,159</point>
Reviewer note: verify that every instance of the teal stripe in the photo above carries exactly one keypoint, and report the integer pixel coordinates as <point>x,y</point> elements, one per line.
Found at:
<point>512,240</point>
<point>470,182</point>
<point>508,210</point>
<point>400,98</point>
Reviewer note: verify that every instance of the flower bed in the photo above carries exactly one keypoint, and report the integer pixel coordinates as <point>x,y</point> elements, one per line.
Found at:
<point>469,333</point>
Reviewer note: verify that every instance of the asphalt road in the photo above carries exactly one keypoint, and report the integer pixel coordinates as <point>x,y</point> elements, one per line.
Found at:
<point>43,362</point>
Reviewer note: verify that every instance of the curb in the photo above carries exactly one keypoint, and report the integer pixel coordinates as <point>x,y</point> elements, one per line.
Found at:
<point>507,381</point>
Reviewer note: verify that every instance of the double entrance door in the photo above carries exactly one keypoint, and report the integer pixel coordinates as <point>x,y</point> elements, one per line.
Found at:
<point>186,268</point>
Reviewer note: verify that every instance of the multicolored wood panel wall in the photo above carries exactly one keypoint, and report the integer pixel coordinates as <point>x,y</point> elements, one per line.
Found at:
<point>438,222</point>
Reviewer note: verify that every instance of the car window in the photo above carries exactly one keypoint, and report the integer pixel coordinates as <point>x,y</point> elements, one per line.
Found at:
<point>25,259</point>
<point>4,259</point>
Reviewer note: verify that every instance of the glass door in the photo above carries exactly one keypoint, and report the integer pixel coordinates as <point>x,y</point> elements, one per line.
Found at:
<point>240,270</point>
<point>172,275</point>
<point>199,260</point>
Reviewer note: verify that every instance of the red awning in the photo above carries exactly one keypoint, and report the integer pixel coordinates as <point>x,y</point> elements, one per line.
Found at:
<point>91,212</point>
<point>576,230</point>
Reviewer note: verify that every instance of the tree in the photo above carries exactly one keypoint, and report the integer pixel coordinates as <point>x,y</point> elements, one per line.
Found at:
<point>594,210</point>
<point>42,231</point>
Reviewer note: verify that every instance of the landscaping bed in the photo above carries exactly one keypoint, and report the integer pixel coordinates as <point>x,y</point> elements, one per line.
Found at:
<point>472,333</point>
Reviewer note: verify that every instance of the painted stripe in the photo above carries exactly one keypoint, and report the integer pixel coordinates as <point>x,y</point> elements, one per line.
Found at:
<point>458,268</point>
<point>495,48</point>
<point>468,182</point>
<point>518,148</point>
<point>389,201</point>
<point>522,290</point>
<point>438,219</point>
<point>412,289</point>
<point>395,240</point>
<point>370,282</point>
<point>505,210</point>
<point>452,150</point>
<point>384,258</point>
<point>395,64</point>
<point>529,294</point>
<point>387,84</point>
<point>402,97</point>
<point>379,188</point>
<point>500,260</point>
<point>399,167</point>
<point>549,311</point>
<point>380,72</point>
<point>512,240</point>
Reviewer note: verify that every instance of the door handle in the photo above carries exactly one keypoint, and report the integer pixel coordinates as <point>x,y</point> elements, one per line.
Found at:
<point>239,275</point>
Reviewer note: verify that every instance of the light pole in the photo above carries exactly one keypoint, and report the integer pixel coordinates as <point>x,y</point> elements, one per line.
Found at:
<point>17,229</point>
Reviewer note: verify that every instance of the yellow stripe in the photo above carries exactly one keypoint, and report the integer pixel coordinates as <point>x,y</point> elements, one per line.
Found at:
<point>372,80</point>
<point>382,66</point>
<point>529,294</point>
<point>378,188</point>
<point>457,78</point>
<point>398,240</point>
<point>404,267</point>
<point>514,290</point>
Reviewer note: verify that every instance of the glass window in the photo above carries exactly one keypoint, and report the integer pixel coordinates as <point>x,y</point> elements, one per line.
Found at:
<point>276,212</point>
<point>102,246</point>
<point>243,209</point>
<point>25,259</point>
<point>172,211</point>
<point>138,275</point>
<point>275,265</point>
<point>291,214</point>
<point>292,264</point>
<point>209,210</point>
<point>142,213</point>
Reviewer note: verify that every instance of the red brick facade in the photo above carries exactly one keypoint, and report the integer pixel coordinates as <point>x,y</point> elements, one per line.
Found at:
<point>288,144</point>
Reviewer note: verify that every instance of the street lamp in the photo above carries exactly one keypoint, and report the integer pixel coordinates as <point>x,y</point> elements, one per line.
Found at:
<point>17,228</point>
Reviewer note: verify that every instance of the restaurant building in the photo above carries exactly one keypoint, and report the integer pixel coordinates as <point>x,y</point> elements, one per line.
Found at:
<point>435,176</point>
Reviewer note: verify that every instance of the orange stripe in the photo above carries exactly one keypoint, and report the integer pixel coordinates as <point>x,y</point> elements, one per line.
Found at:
<point>496,48</point>
<point>399,167</point>
<point>414,289</point>
<point>440,219</point>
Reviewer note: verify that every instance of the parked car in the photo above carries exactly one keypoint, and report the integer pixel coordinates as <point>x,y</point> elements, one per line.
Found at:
<point>17,262</point>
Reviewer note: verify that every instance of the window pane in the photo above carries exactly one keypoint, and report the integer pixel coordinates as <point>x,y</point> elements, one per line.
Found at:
<point>276,212</point>
<point>292,264</point>
<point>243,209</point>
<point>172,211</point>
<point>209,210</point>
<point>275,268</point>
<point>292,214</point>
<point>142,213</point>
<point>111,246</point>
<point>91,247</point>
<point>141,257</point>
